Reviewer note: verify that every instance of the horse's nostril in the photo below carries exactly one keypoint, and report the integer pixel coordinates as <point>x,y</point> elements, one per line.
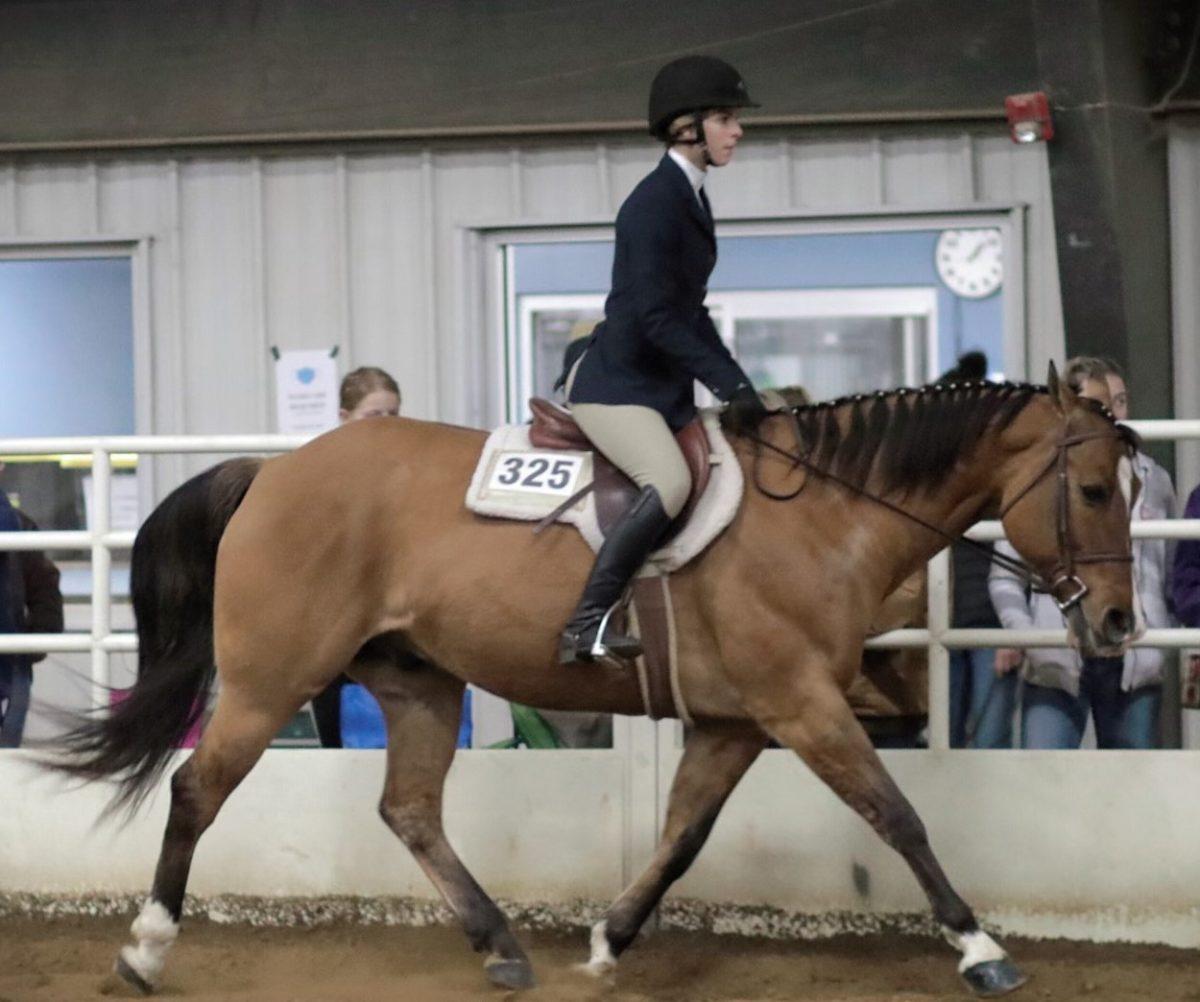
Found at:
<point>1118,624</point>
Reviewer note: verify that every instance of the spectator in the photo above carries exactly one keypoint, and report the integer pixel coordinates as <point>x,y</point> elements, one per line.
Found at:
<point>366,392</point>
<point>1123,695</point>
<point>1185,581</point>
<point>30,602</point>
<point>983,688</point>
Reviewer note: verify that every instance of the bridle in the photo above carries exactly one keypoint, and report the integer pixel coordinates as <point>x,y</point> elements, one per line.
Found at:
<point>1063,572</point>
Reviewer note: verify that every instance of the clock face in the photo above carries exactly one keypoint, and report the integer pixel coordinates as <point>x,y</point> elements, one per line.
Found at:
<point>970,262</point>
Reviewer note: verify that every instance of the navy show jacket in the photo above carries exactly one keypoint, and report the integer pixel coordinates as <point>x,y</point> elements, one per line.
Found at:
<point>657,336</point>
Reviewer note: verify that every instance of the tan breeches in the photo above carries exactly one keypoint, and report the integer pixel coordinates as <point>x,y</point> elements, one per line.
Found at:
<point>638,442</point>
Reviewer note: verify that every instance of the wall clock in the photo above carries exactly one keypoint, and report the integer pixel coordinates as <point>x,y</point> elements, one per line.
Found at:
<point>970,262</point>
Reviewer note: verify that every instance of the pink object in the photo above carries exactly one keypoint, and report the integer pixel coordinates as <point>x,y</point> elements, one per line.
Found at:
<point>190,739</point>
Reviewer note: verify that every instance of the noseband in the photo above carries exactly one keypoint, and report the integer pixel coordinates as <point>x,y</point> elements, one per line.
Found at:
<point>1063,575</point>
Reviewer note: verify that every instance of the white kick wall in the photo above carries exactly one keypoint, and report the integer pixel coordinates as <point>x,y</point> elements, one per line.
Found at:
<point>1092,845</point>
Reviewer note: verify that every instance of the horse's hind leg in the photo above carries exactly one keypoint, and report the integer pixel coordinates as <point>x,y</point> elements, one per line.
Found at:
<point>240,729</point>
<point>822,729</point>
<point>422,706</point>
<point>715,757</point>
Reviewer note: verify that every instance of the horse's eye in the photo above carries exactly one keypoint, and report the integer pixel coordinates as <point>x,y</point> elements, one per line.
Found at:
<point>1094,493</point>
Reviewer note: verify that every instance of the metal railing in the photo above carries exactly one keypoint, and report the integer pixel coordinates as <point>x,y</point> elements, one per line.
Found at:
<point>938,638</point>
<point>100,540</point>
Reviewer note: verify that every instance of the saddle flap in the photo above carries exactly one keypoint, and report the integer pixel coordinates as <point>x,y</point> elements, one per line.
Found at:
<point>554,428</point>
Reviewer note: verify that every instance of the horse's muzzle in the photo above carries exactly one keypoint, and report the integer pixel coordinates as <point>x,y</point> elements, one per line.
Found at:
<point>1116,627</point>
<point>1116,632</point>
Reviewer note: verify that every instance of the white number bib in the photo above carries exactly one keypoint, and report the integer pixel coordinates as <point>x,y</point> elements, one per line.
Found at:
<point>559,474</point>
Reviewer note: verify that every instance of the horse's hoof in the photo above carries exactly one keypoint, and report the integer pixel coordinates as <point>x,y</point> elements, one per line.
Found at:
<point>990,979</point>
<point>601,970</point>
<point>512,974</point>
<point>130,976</point>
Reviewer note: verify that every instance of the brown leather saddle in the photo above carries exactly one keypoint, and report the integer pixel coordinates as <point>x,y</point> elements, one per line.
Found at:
<point>554,428</point>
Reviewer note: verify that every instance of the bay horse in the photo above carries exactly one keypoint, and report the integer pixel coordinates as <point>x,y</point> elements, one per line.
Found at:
<point>356,553</point>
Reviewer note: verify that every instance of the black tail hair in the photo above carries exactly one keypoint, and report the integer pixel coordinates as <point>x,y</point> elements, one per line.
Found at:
<point>171,583</point>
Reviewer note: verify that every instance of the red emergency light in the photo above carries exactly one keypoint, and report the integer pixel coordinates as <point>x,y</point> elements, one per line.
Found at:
<point>1029,117</point>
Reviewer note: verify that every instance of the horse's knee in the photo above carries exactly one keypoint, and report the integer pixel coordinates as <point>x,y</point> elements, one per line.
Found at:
<point>415,825</point>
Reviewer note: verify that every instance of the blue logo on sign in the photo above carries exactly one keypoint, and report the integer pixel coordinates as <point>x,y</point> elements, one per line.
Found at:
<point>306,375</point>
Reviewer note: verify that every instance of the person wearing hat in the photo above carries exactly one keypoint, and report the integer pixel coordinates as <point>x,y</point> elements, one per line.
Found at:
<point>632,387</point>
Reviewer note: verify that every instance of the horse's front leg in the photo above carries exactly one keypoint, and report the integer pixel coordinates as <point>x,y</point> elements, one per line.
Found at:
<point>817,723</point>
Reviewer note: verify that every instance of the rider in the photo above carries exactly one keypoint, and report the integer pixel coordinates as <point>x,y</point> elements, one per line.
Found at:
<point>633,386</point>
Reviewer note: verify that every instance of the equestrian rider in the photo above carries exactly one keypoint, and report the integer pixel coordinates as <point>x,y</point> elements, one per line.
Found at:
<point>633,387</point>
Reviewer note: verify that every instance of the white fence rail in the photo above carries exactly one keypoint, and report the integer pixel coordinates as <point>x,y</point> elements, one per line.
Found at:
<point>101,542</point>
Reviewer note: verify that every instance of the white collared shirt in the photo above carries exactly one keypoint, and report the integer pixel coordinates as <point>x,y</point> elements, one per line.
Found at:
<point>693,173</point>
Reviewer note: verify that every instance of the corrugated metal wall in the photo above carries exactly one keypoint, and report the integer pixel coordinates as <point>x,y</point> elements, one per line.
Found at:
<point>363,249</point>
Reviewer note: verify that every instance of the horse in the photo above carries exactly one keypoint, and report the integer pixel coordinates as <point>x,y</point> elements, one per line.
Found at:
<point>356,553</point>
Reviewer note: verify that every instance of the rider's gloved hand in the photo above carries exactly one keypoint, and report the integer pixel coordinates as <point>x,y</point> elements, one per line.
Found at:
<point>746,410</point>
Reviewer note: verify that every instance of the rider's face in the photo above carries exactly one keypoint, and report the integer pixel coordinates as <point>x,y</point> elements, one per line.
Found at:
<point>722,130</point>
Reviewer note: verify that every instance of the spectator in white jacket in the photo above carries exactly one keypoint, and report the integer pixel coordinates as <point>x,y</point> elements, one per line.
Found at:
<point>1122,695</point>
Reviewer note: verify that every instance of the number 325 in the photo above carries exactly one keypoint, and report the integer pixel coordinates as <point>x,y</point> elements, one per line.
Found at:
<point>540,473</point>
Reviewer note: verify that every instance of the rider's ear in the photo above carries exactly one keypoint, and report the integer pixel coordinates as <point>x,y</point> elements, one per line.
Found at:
<point>1061,395</point>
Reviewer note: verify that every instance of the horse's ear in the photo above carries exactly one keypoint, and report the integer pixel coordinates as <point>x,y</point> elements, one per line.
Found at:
<point>1061,395</point>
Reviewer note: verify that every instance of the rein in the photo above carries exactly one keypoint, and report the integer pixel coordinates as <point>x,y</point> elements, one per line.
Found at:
<point>1063,572</point>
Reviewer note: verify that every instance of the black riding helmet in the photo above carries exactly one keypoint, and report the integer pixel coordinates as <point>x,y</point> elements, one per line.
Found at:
<point>694,83</point>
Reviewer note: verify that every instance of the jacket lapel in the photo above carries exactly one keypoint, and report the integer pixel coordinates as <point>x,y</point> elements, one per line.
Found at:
<point>683,189</point>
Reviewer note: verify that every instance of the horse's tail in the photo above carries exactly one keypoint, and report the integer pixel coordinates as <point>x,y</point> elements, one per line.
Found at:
<point>171,583</point>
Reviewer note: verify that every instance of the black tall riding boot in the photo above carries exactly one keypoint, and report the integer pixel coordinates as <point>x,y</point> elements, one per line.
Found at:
<point>630,541</point>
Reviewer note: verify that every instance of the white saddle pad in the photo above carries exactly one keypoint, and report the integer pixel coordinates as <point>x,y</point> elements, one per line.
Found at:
<point>516,481</point>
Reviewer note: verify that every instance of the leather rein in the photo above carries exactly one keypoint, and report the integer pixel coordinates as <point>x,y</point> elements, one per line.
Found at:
<point>1063,573</point>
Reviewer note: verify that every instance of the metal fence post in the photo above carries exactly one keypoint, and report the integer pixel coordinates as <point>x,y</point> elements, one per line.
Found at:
<point>939,654</point>
<point>101,574</point>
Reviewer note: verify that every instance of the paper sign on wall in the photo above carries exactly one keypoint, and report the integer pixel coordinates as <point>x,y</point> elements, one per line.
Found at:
<point>306,392</point>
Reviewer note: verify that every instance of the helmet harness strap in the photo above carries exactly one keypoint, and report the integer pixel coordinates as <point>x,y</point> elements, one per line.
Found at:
<point>699,140</point>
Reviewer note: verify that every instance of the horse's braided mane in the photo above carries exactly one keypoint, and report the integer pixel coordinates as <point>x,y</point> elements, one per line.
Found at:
<point>908,437</point>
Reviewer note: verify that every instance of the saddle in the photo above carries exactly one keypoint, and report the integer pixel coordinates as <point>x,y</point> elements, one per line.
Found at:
<point>554,428</point>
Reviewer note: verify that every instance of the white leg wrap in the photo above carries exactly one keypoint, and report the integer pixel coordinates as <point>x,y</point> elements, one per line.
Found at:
<point>976,947</point>
<point>154,932</point>
<point>602,960</point>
